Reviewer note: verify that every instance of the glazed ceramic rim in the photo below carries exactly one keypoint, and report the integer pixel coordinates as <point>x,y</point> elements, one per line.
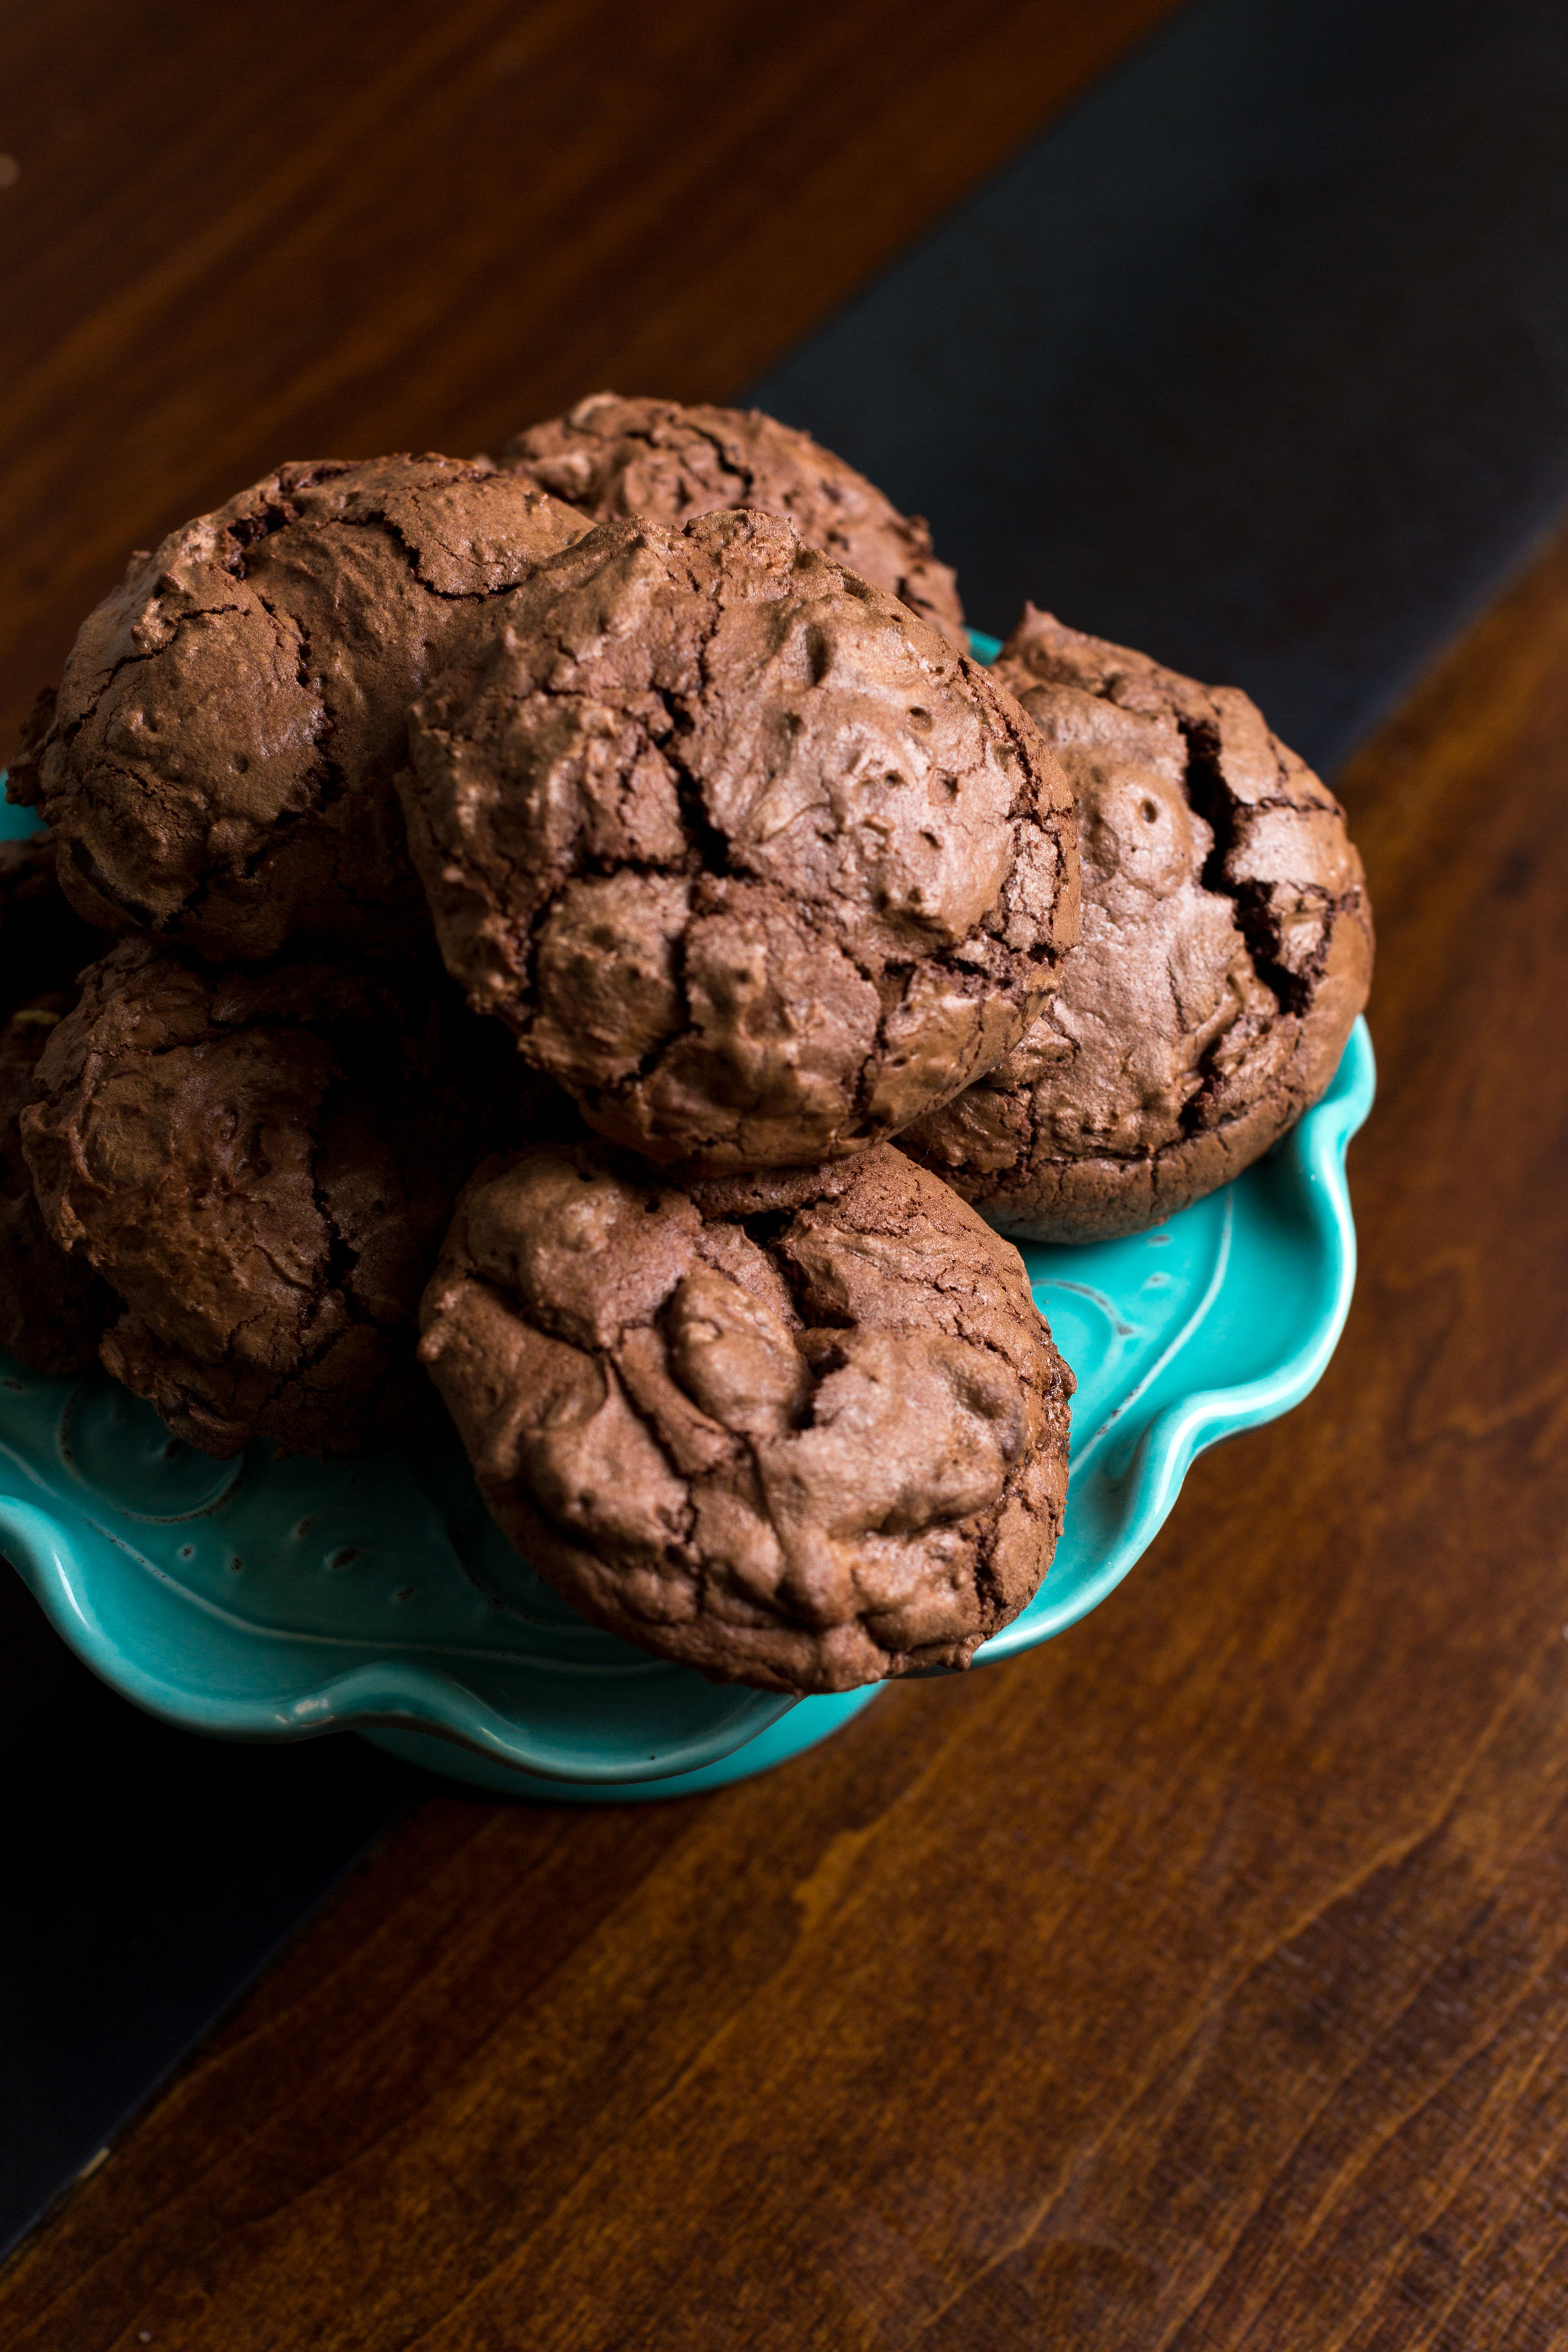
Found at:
<point>401,1693</point>
<point>1313,1158</point>
<point>390,1694</point>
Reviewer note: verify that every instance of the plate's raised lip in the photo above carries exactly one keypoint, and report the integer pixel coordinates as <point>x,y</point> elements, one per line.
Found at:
<point>400,1693</point>
<point>1314,1151</point>
<point>392,1693</point>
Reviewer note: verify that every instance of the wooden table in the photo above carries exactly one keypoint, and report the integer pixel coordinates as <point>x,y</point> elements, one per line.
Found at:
<point>1200,1981</point>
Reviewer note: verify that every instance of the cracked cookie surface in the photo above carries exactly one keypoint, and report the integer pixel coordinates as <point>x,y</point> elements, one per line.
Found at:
<point>804,1450</point>
<point>1227,948</point>
<point>52,1307</point>
<point>217,764</point>
<point>261,1162</point>
<point>756,864</point>
<point>610,457</point>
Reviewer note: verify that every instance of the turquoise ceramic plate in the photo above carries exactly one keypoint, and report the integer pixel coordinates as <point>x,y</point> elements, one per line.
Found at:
<point>267,1599</point>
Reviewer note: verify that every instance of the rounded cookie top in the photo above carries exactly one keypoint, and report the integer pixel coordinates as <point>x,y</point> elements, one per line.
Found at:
<point>261,1162</point>
<point>218,763</point>
<point>610,457</point>
<point>52,1307</point>
<point>754,863</point>
<point>805,1449</point>
<point>1225,950</point>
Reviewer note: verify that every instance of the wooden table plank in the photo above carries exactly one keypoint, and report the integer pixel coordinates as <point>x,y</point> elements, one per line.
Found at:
<point>1198,1980</point>
<point>229,237</point>
<point>292,230</point>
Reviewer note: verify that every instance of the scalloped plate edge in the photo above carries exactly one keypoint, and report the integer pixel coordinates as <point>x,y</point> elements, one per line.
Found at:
<point>392,1693</point>
<point>1167,1448</point>
<point>396,1695</point>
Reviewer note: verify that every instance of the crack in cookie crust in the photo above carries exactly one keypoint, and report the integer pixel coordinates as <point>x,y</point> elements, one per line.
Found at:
<point>752,863</point>
<point>611,458</point>
<point>218,765</point>
<point>260,1162</point>
<point>806,1449</point>
<point>1226,951</point>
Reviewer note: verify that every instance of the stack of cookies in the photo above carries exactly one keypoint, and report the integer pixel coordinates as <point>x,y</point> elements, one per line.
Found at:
<point>574,943</point>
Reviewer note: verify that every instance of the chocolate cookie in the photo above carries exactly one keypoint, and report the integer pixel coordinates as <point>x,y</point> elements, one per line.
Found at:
<point>611,457</point>
<point>1227,948</point>
<point>52,1307</point>
<point>806,1453</point>
<point>756,867</point>
<point>218,765</point>
<point>261,1160</point>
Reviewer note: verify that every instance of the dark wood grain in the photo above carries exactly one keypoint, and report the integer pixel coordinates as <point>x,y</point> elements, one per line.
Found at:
<point>1198,1982</point>
<point>296,229</point>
